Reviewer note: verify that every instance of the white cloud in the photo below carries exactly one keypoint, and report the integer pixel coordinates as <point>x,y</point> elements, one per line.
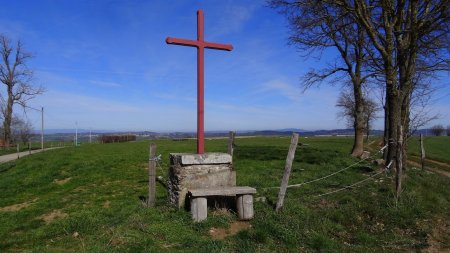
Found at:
<point>282,88</point>
<point>232,19</point>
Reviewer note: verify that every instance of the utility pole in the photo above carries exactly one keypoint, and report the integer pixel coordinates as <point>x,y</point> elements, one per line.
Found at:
<point>42,128</point>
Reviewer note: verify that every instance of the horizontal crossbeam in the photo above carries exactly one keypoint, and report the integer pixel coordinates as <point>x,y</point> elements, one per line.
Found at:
<point>198,44</point>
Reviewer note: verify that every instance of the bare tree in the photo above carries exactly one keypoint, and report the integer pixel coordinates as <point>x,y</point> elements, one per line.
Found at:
<point>315,26</point>
<point>409,37</point>
<point>16,77</point>
<point>371,110</point>
<point>347,105</point>
<point>437,130</point>
<point>21,130</point>
<point>405,37</point>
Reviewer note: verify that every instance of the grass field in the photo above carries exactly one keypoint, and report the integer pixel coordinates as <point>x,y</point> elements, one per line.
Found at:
<point>436,149</point>
<point>87,199</point>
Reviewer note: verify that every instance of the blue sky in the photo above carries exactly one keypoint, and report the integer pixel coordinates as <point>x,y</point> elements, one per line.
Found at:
<point>105,65</point>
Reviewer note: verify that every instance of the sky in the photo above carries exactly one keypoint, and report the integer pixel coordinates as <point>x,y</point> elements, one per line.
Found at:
<point>105,66</point>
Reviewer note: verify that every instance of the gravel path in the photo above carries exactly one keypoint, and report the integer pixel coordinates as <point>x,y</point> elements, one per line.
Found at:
<point>15,156</point>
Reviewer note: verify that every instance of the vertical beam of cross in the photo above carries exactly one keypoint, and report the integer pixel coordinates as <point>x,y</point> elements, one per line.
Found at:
<point>200,44</point>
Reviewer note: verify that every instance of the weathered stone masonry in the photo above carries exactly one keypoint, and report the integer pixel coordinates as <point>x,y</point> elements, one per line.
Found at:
<point>198,171</point>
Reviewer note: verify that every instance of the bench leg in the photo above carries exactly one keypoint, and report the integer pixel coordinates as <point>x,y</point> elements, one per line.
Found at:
<point>244,204</point>
<point>199,209</point>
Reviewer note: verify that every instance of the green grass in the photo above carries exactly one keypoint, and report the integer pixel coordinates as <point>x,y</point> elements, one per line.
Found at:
<point>364,219</point>
<point>436,147</point>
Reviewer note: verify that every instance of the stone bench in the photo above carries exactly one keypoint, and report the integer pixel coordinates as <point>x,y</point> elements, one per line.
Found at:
<point>244,200</point>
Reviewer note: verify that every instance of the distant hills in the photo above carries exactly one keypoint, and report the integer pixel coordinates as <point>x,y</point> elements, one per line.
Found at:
<point>86,134</point>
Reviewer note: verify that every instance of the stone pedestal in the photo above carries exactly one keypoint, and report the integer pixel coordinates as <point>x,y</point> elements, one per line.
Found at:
<point>194,171</point>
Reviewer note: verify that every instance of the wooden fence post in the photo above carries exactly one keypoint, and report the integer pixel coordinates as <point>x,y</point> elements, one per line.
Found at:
<point>422,152</point>
<point>231,143</point>
<point>287,171</point>
<point>398,178</point>
<point>152,176</point>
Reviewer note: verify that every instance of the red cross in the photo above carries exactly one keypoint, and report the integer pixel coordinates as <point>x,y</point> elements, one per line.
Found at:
<point>200,44</point>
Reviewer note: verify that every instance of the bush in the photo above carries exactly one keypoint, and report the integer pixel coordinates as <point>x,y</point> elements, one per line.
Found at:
<point>116,138</point>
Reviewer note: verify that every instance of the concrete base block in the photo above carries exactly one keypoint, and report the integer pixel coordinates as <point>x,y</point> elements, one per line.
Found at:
<point>194,171</point>
<point>244,205</point>
<point>199,209</point>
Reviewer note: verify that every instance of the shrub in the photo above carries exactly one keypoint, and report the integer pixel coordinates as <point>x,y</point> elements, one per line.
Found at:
<point>116,138</point>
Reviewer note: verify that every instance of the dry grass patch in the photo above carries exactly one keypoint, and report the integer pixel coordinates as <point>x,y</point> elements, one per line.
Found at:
<point>17,207</point>
<point>107,204</point>
<point>62,181</point>
<point>235,227</point>
<point>54,215</point>
<point>436,240</point>
<point>118,240</point>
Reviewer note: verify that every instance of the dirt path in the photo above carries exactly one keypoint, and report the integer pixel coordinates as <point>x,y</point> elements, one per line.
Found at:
<point>15,156</point>
<point>442,172</point>
<point>433,161</point>
<point>418,165</point>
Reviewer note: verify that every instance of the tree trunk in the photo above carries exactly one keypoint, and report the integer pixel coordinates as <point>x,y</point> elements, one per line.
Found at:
<point>394,116</point>
<point>386,129</point>
<point>8,118</point>
<point>399,161</point>
<point>405,110</point>
<point>367,130</point>
<point>406,61</point>
<point>359,122</point>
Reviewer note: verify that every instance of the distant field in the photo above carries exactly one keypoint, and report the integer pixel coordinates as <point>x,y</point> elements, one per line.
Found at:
<point>436,147</point>
<point>87,199</point>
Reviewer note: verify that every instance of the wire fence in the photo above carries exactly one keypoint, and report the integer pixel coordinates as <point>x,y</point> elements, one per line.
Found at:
<point>332,174</point>
<point>357,183</point>
<point>157,159</point>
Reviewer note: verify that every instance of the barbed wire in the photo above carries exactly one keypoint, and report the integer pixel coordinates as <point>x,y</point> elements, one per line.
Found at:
<point>157,159</point>
<point>332,174</point>
<point>386,169</point>
<point>350,186</point>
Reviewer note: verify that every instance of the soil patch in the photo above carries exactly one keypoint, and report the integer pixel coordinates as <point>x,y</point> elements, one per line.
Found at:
<point>17,207</point>
<point>62,181</point>
<point>54,215</point>
<point>235,227</point>
<point>107,204</point>
<point>117,240</point>
<point>436,240</point>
